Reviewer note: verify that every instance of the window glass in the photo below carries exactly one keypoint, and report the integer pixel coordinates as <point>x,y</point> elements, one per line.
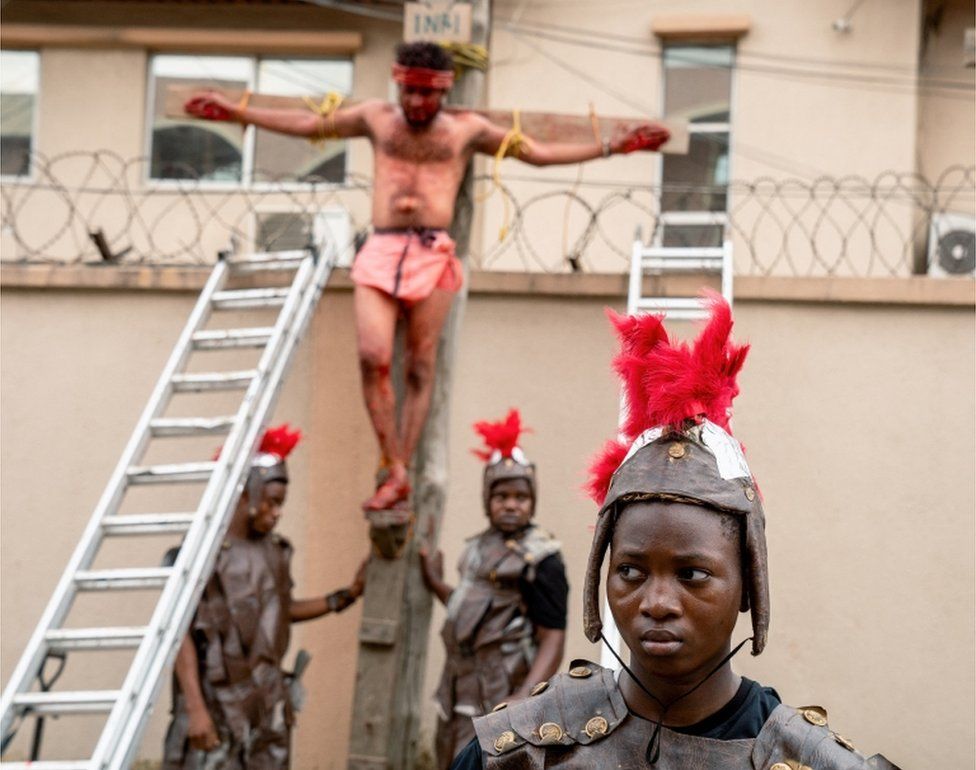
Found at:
<point>283,231</point>
<point>184,148</point>
<point>282,158</point>
<point>697,181</point>
<point>688,236</point>
<point>698,83</point>
<point>18,99</point>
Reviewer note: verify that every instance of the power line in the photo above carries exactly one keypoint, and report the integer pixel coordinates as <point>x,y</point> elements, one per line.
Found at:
<point>642,41</point>
<point>764,156</point>
<point>940,87</point>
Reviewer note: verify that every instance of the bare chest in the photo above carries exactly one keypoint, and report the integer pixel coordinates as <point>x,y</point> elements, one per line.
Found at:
<point>436,145</point>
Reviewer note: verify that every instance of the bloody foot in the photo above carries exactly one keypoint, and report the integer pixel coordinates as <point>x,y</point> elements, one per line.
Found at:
<point>395,489</point>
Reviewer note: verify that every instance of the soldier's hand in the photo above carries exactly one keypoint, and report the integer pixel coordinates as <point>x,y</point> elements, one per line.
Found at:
<point>202,731</point>
<point>212,106</point>
<point>359,582</point>
<point>431,566</point>
<point>648,137</point>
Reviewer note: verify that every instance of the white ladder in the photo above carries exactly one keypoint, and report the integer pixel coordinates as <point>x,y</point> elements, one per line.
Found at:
<point>665,260</point>
<point>670,260</point>
<point>129,707</point>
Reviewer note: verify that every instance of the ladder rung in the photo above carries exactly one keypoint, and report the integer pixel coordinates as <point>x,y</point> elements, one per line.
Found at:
<point>122,579</point>
<point>68,702</point>
<point>195,383</point>
<point>190,426</point>
<point>53,764</point>
<point>147,524</point>
<point>669,303</point>
<point>212,339</point>
<point>285,260</point>
<point>674,264</point>
<point>269,256</point>
<point>116,638</point>
<point>179,473</point>
<point>241,299</point>
<point>677,315</point>
<point>260,267</point>
<point>682,251</point>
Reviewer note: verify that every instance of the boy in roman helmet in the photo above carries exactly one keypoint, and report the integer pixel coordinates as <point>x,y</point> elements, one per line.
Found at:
<point>683,522</point>
<point>231,705</point>
<point>506,620</point>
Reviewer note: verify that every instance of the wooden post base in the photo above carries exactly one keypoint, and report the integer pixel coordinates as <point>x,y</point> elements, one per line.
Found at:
<point>390,531</point>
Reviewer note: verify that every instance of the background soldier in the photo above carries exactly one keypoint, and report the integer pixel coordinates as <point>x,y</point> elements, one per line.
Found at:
<point>408,265</point>
<point>506,620</point>
<point>232,708</point>
<point>683,520</point>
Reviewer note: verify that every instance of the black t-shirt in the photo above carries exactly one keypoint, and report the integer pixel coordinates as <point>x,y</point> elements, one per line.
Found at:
<point>546,596</point>
<point>742,717</point>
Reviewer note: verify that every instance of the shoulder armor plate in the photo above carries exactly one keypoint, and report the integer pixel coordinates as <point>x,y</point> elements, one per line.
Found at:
<point>536,545</point>
<point>795,738</point>
<point>572,709</point>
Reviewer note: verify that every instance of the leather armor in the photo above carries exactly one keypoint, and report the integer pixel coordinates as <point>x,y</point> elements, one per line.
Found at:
<point>488,637</point>
<point>579,720</point>
<point>242,628</point>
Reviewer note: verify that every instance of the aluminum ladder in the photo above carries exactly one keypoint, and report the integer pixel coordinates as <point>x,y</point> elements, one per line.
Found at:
<point>670,260</point>
<point>665,260</point>
<point>129,707</point>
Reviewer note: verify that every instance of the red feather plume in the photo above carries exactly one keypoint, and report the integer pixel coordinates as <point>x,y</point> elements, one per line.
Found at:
<point>666,384</point>
<point>280,440</point>
<point>502,435</point>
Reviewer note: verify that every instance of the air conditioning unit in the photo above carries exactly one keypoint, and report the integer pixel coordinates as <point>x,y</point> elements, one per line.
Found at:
<point>952,246</point>
<point>283,228</point>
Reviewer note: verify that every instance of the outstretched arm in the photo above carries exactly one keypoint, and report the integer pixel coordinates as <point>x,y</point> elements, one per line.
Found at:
<point>626,139</point>
<point>344,122</point>
<point>202,732</point>
<point>337,601</point>
<point>552,642</point>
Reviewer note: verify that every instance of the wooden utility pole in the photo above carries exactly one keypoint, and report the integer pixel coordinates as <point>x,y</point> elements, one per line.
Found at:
<point>397,606</point>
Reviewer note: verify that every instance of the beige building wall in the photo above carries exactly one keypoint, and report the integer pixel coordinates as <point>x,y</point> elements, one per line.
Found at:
<point>857,418</point>
<point>805,104</point>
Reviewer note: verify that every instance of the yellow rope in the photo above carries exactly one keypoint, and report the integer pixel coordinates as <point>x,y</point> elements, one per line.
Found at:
<point>326,110</point>
<point>244,101</point>
<point>466,56</point>
<point>511,145</point>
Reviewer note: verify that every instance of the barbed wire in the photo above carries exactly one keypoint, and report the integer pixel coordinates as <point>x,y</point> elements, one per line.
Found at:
<point>97,207</point>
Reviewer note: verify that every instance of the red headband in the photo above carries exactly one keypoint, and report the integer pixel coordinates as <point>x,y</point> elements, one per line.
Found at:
<point>421,77</point>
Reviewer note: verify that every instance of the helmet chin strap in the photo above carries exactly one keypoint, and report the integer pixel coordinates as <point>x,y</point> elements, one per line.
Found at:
<point>653,751</point>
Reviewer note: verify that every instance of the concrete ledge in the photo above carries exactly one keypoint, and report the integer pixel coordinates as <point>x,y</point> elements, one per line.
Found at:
<point>913,290</point>
<point>910,290</point>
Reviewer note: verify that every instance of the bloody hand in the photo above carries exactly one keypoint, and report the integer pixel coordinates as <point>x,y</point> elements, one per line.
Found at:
<point>211,106</point>
<point>644,137</point>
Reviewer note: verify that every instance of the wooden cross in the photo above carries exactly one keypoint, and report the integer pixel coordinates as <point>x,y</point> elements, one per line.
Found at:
<point>543,126</point>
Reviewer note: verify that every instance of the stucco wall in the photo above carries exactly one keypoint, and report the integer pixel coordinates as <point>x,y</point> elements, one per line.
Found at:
<point>806,103</point>
<point>857,419</point>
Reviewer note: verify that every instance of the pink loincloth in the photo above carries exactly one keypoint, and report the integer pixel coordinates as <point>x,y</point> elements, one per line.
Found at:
<point>408,264</point>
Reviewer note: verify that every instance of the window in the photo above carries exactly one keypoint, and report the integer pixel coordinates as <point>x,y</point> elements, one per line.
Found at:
<point>697,88</point>
<point>183,148</point>
<point>18,105</point>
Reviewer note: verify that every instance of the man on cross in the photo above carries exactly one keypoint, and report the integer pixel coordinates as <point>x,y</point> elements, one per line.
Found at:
<point>408,265</point>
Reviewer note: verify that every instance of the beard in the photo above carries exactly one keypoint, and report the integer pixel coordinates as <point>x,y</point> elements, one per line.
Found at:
<point>420,119</point>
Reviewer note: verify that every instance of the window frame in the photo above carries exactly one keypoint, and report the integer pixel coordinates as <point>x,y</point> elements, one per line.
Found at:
<point>248,146</point>
<point>31,176</point>
<point>698,217</point>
